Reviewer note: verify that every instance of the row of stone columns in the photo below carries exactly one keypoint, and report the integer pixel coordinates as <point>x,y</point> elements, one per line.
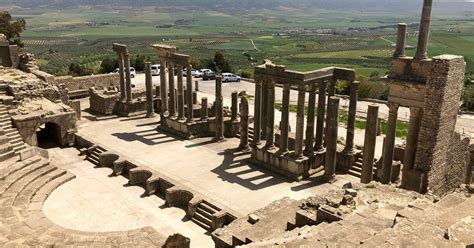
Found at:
<point>125,77</point>
<point>173,100</point>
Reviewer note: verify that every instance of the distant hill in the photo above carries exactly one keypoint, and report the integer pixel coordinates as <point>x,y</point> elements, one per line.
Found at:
<point>359,5</point>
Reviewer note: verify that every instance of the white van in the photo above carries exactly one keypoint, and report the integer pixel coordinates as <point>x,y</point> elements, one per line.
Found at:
<point>155,70</point>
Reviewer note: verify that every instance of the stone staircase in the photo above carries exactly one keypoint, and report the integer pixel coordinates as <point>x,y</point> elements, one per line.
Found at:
<point>11,132</point>
<point>25,186</point>
<point>251,131</point>
<point>203,215</point>
<point>93,154</point>
<point>356,168</point>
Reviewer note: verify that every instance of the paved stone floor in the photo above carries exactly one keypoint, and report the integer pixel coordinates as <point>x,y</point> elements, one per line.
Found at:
<point>94,202</point>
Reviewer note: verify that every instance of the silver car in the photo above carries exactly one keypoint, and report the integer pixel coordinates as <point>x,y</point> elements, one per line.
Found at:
<point>229,77</point>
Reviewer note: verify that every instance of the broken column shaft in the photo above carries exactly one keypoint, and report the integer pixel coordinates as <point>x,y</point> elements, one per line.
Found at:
<point>401,41</point>
<point>128,78</point>
<point>389,146</point>
<point>351,119</point>
<point>204,109</point>
<point>424,33</point>
<point>180,93</point>
<point>244,123</point>
<point>257,113</point>
<point>411,142</point>
<point>331,138</point>
<point>219,110</point>
<point>123,88</point>
<point>234,107</point>
<point>369,144</point>
<point>189,94</point>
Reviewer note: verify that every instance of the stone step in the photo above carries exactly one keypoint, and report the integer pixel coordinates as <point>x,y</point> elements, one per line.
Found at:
<point>16,141</point>
<point>209,207</point>
<point>354,173</point>
<point>24,197</point>
<point>204,213</point>
<point>19,176</point>
<point>20,184</point>
<point>201,224</point>
<point>13,135</point>
<point>101,149</point>
<point>357,164</point>
<point>356,169</point>
<point>96,152</point>
<point>6,155</point>
<point>10,169</point>
<point>202,219</point>
<point>43,193</point>
<point>94,156</point>
<point>92,160</point>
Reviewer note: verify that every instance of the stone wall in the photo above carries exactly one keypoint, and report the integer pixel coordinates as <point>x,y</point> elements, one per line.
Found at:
<point>441,105</point>
<point>458,167</point>
<point>86,82</point>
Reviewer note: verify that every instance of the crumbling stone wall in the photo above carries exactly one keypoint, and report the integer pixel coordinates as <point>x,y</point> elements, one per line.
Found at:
<point>441,105</point>
<point>458,161</point>
<point>103,102</point>
<point>86,82</point>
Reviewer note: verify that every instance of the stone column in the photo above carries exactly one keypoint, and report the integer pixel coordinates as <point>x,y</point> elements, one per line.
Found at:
<point>264,114</point>
<point>331,138</point>
<point>128,79</point>
<point>234,107</point>
<point>369,144</point>
<point>123,88</point>
<point>189,94</point>
<point>424,33</point>
<point>285,117</point>
<point>389,143</point>
<point>195,97</point>
<point>164,90</point>
<point>172,90</point>
<point>411,143</point>
<point>204,109</point>
<point>196,84</point>
<point>300,121</point>
<point>270,117</point>
<point>321,113</point>
<point>150,112</point>
<point>309,140</point>
<point>219,110</point>
<point>180,94</point>
<point>244,123</point>
<point>351,120</point>
<point>257,113</point>
<point>331,88</point>
<point>401,41</point>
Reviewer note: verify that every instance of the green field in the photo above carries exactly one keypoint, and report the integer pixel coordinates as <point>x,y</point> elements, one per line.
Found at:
<point>295,38</point>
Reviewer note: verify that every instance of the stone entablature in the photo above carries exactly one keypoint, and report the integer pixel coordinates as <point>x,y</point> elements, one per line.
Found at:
<point>86,82</point>
<point>308,154</point>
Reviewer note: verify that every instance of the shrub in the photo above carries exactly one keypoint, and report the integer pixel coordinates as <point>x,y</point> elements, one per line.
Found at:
<point>468,97</point>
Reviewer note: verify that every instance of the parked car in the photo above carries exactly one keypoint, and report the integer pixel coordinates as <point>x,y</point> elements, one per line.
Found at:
<point>155,70</point>
<point>133,72</point>
<point>229,77</point>
<point>185,72</point>
<point>209,75</point>
<point>201,72</point>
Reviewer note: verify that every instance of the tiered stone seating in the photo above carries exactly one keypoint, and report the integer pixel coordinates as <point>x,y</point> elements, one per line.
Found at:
<point>25,186</point>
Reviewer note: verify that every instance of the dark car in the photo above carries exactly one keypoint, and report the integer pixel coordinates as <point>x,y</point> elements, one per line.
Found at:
<point>209,75</point>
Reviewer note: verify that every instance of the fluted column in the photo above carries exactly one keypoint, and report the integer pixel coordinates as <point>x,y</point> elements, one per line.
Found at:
<point>401,41</point>
<point>321,115</point>
<point>331,138</point>
<point>309,140</point>
<point>164,90</point>
<point>300,121</point>
<point>189,94</point>
<point>369,144</point>
<point>411,143</point>
<point>219,110</point>
<point>128,78</point>
<point>172,103</point>
<point>150,112</point>
<point>351,120</point>
<point>389,143</point>
<point>257,113</point>
<point>285,117</point>
<point>424,33</point>
<point>123,88</point>
<point>270,117</point>
<point>180,93</point>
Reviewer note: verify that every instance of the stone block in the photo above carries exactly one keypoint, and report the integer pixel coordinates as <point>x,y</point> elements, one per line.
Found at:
<point>328,214</point>
<point>253,218</point>
<point>351,192</point>
<point>304,217</point>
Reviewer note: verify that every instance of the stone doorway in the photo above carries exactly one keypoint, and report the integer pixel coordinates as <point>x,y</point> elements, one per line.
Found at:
<point>49,135</point>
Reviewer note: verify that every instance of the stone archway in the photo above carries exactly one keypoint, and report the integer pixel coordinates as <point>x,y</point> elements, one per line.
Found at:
<point>49,135</point>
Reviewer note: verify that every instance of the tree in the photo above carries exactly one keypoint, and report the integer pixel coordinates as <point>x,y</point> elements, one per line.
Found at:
<point>12,29</point>
<point>138,63</point>
<point>468,97</point>
<point>108,64</point>
<point>77,69</point>
<point>220,63</point>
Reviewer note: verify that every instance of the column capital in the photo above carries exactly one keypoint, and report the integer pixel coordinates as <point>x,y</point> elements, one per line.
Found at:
<point>393,107</point>
<point>415,111</point>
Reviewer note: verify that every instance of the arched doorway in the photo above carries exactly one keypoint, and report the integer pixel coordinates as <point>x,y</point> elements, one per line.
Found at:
<point>49,135</point>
